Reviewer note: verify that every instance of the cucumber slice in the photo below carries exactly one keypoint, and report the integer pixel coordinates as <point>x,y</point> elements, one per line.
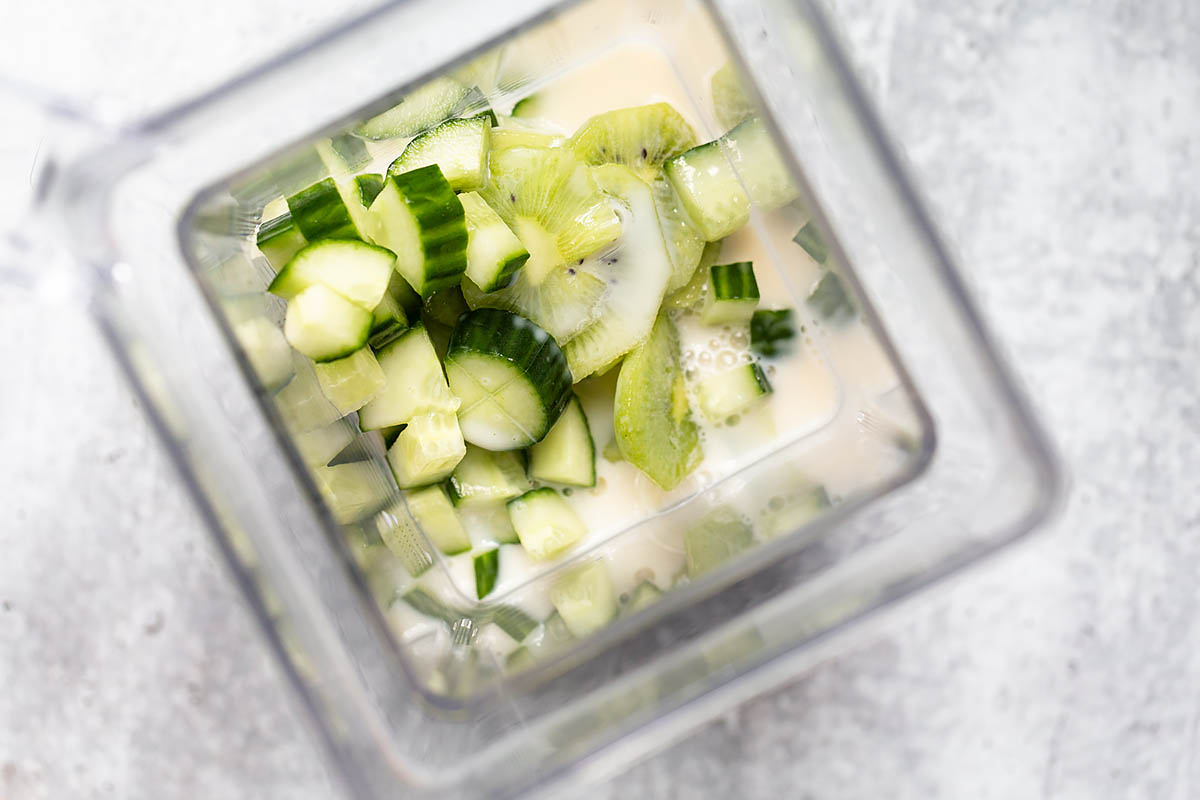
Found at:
<point>357,271</point>
<point>351,382</point>
<point>494,253</point>
<point>641,137</point>
<point>651,416</point>
<point>342,153</point>
<point>718,181</point>
<point>791,512</point>
<point>830,300</point>
<point>487,522</point>
<point>329,209</point>
<point>549,199</point>
<point>718,537</point>
<point>445,306</point>
<point>771,331</point>
<point>645,594</point>
<point>636,272</point>
<point>546,525</point>
<point>352,491</point>
<point>267,351</point>
<point>512,379</point>
<point>487,567</point>
<point>419,218</point>
<point>319,446</point>
<point>458,146</point>
<point>388,321</point>
<point>432,510</point>
<point>324,325</point>
<point>402,536</point>
<point>567,455</point>
<point>279,239</point>
<point>585,598</point>
<point>733,391</point>
<point>813,243</point>
<point>731,102</point>
<point>369,186</point>
<point>420,110</point>
<point>415,382</point>
<point>484,477</point>
<point>427,450</point>
<point>732,294</point>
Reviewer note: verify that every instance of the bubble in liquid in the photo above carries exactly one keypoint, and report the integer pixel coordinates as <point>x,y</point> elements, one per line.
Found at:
<point>624,598</point>
<point>733,420</point>
<point>738,338</point>
<point>771,370</point>
<point>726,359</point>
<point>714,344</point>
<point>689,374</point>
<point>705,358</point>
<point>745,358</point>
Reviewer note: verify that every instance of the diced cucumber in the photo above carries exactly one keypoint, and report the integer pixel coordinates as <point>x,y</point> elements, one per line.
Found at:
<point>511,377</point>
<point>369,186</point>
<point>813,243</point>
<point>352,491</point>
<point>546,525</point>
<point>487,522</point>
<point>267,351</point>
<point>494,253</point>
<point>279,239</point>
<point>567,455</point>
<point>351,381</point>
<point>830,300</point>
<point>651,415</point>
<point>301,403</point>
<point>419,218</point>
<point>484,477</point>
<point>329,209</point>
<point>318,446</point>
<point>415,382</point>
<point>343,153</point>
<point>421,109</point>
<point>712,541</point>
<point>487,567</point>
<point>733,391</point>
<point>789,513</point>
<point>390,434</point>
<point>388,321</point>
<point>731,102</point>
<point>732,294</point>
<point>718,181</point>
<point>427,450</point>
<point>445,306</point>
<point>324,325</point>
<point>771,331</point>
<point>401,534</point>
<point>636,270</point>
<point>357,271</point>
<point>513,621</point>
<point>459,147</point>
<point>645,594</point>
<point>585,598</point>
<point>432,510</point>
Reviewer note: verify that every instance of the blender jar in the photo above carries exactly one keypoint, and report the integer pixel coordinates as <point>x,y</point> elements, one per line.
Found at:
<point>916,474</point>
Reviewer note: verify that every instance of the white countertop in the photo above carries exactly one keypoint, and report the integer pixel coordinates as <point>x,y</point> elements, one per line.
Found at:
<point>1059,144</point>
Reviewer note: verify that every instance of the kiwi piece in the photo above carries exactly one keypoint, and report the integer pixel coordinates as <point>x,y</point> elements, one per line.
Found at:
<point>640,137</point>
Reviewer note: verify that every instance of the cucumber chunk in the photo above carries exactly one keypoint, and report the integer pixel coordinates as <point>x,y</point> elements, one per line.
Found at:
<point>487,567</point>
<point>585,598</point>
<point>421,109</point>
<point>351,382</point>
<point>419,218</point>
<point>279,239</point>
<point>427,450</point>
<point>651,416</point>
<point>494,253</point>
<point>324,325</point>
<point>789,513</point>
<point>546,525</point>
<point>329,209</point>
<point>512,379</point>
<point>267,351</point>
<point>319,446</point>
<point>432,510</point>
<point>459,147</point>
<point>771,331</point>
<point>645,594</point>
<point>301,403</point>
<point>484,477</point>
<point>733,391</point>
<point>830,300</point>
<point>445,306</point>
<point>352,491</point>
<point>415,382</point>
<point>718,181</point>
<point>712,541</point>
<point>567,455</point>
<point>357,271</point>
<point>813,243</point>
<point>732,294</point>
<point>731,102</point>
<point>369,186</point>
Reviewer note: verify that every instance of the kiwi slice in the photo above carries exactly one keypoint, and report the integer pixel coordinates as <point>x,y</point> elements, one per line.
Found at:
<point>731,102</point>
<point>651,416</point>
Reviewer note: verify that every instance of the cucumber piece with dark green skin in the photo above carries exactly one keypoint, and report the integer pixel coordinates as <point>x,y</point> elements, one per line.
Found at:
<point>545,523</point>
<point>567,455</point>
<point>511,376</point>
<point>321,212</point>
<point>830,299</point>
<point>811,240</point>
<point>279,239</point>
<point>485,477</point>
<point>421,109</point>
<point>733,391</point>
<point>415,382</point>
<point>718,537</point>
<point>358,271</point>
<point>432,510</point>
<point>771,331</point>
<point>459,147</point>
<point>487,567</point>
<point>494,253</point>
<point>324,325</point>
<point>732,294</point>
<point>369,186</point>
<point>419,218</point>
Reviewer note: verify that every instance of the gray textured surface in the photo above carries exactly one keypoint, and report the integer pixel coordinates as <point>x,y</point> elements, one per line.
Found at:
<point>1060,147</point>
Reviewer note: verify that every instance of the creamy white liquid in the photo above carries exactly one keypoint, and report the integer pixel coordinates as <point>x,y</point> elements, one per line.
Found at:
<point>832,375</point>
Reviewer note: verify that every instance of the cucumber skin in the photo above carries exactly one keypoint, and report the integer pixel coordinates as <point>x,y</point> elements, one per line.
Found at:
<point>733,281</point>
<point>319,212</point>
<point>771,331</point>
<point>544,474</point>
<point>502,334</point>
<point>439,215</point>
<point>487,567</point>
<point>813,243</point>
<point>369,186</point>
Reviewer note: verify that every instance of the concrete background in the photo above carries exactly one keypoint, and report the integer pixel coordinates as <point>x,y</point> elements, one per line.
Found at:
<point>1059,144</point>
